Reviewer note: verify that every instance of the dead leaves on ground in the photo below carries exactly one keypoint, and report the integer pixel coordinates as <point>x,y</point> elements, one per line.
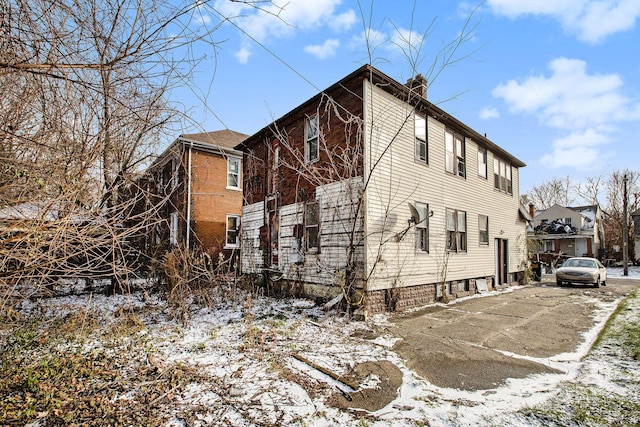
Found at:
<point>50,374</point>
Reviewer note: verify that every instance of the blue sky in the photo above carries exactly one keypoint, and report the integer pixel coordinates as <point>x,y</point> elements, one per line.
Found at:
<point>554,82</point>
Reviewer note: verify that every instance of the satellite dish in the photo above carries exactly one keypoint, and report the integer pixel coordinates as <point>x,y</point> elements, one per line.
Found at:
<point>415,216</point>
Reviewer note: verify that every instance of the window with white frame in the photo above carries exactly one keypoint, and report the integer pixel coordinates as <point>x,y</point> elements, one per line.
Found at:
<point>233,172</point>
<point>173,228</point>
<point>483,229</point>
<point>502,176</point>
<point>422,227</point>
<point>233,231</point>
<point>482,162</point>
<point>422,149</point>
<point>312,225</point>
<point>549,246</point>
<point>456,230</point>
<point>311,139</point>
<point>455,153</point>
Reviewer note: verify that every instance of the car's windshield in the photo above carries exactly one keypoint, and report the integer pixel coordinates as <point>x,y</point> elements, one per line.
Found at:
<point>586,263</point>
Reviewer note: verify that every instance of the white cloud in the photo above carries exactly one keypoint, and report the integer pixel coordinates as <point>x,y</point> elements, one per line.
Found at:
<point>243,55</point>
<point>570,98</point>
<point>590,20</point>
<point>281,19</point>
<point>588,107</point>
<point>489,113</point>
<point>375,38</point>
<point>343,21</point>
<point>325,50</point>
<point>406,41</point>
<point>579,150</point>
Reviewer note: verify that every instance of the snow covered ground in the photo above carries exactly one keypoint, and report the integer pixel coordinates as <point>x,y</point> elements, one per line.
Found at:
<point>248,346</point>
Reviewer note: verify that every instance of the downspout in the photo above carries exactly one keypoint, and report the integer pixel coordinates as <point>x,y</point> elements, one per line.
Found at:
<point>189,196</point>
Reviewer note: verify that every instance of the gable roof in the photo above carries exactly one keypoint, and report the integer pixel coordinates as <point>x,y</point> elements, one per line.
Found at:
<point>225,138</point>
<point>396,88</point>
<point>218,141</point>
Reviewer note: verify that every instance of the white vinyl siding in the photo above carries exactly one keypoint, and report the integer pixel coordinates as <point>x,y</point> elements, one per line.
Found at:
<point>394,183</point>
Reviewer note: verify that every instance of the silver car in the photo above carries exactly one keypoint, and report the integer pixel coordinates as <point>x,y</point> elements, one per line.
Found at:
<point>581,270</point>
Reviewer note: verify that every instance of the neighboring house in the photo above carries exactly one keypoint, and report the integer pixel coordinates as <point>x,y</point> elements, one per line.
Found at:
<point>573,231</point>
<point>635,215</point>
<point>198,193</point>
<point>369,191</point>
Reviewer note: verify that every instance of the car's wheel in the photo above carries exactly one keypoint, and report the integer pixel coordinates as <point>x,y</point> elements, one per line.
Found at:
<point>597,284</point>
<point>559,282</point>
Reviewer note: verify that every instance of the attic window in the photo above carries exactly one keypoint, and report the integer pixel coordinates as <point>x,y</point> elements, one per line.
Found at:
<point>311,137</point>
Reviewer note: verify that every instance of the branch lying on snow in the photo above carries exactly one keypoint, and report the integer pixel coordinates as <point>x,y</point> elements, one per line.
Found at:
<point>354,386</point>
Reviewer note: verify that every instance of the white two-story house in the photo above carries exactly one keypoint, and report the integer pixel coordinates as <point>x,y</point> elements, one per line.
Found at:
<point>369,191</point>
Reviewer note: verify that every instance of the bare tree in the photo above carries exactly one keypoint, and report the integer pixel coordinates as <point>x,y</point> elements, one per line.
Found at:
<point>556,191</point>
<point>84,90</point>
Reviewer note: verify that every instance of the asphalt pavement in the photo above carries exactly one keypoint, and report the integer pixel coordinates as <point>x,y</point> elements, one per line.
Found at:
<point>475,343</point>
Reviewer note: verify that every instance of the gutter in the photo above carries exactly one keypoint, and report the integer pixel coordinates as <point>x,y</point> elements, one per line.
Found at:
<point>189,196</point>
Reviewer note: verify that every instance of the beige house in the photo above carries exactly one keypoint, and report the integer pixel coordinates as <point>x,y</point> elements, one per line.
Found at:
<point>369,191</point>
<point>572,231</point>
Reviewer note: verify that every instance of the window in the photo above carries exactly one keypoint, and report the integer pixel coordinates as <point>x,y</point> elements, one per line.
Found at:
<point>567,221</point>
<point>482,162</point>
<point>422,151</point>
<point>456,230</point>
<point>422,227</point>
<point>312,225</point>
<point>233,231</point>
<point>502,176</point>
<point>483,229</point>
<point>454,147</point>
<point>233,172</point>
<point>173,228</point>
<point>549,246</point>
<point>311,146</point>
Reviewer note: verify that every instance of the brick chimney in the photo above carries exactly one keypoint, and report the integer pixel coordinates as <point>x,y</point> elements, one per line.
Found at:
<point>532,210</point>
<point>418,85</point>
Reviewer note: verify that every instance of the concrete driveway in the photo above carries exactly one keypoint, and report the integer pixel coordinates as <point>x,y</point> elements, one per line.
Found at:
<point>467,345</point>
